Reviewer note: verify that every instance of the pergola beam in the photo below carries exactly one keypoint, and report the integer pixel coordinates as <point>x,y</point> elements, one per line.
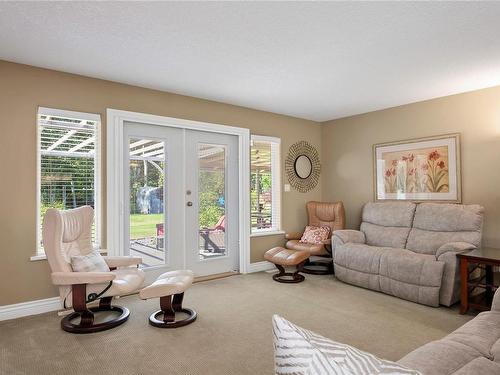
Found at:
<point>61,140</point>
<point>147,148</point>
<point>82,144</point>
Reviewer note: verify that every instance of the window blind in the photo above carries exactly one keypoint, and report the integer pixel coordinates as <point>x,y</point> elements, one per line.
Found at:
<point>265,184</point>
<point>68,167</point>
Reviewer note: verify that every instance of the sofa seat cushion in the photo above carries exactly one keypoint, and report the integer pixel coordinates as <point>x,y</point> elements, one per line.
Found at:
<point>411,276</point>
<point>312,248</point>
<point>482,333</point>
<point>442,357</point>
<point>359,264</point>
<point>359,257</point>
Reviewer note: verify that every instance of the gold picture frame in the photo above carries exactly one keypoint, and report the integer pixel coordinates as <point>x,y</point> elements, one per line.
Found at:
<point>420,169</point>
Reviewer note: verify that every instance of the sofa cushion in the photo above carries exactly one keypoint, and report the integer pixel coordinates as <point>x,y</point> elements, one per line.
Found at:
<point>388,223</point>
<point>377,235</point>
<point>359,257</point>
<point>442,357</point>
<point>389,214</point>
<point>480,366</point>
<point>481,333</point>
<point>448,217</point>
<point>436,224</point>
<point>298,351</point>
<point>359,278</point>
<point>411,276</point>
<point>359,264</point>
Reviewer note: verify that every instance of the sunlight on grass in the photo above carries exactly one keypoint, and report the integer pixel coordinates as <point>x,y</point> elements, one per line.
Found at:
<point>144,225</point>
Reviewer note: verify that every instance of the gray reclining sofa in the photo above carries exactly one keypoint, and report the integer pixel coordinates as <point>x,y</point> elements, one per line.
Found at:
<point>409,250</point>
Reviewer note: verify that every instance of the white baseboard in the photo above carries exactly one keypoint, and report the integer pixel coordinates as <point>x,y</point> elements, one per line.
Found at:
<point>19,310</point>
<point>260,266</point>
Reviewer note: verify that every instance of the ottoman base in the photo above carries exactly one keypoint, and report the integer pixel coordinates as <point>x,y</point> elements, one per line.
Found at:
<point>168,310</point>
<point>319,267</point>
<point>289,277</point>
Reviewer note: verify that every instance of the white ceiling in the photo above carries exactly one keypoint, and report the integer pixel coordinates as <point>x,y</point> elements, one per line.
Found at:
<point>306,59</point>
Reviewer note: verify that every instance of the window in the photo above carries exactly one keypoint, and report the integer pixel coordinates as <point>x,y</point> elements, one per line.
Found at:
<point>68,164</point>
<point>265,185</point>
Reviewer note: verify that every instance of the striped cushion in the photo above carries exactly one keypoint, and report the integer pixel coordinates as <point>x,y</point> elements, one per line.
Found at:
<point>301,352</point>
<point>92,262</point>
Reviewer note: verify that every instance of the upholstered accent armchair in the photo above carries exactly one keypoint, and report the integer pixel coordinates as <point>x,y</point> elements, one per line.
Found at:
<point>319,214</point>
<point>67,234</point>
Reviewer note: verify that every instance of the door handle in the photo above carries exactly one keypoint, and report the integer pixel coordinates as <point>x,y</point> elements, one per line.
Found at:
<point>189,204</point>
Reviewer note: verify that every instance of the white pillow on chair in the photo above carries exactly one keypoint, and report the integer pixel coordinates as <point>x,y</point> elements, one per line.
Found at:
<point>92,262</point>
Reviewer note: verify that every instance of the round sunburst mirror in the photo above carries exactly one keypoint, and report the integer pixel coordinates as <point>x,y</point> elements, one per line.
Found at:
<point>302,166</point>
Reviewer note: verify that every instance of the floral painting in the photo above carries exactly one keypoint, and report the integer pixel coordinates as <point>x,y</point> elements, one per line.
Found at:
<point>425,169</point>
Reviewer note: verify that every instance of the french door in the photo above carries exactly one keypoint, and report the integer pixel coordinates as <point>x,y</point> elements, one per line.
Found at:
<point>181,206</point>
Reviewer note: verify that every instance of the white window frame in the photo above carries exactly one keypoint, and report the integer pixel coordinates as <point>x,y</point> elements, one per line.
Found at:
<point>39,252</point>
<point>276,187</point>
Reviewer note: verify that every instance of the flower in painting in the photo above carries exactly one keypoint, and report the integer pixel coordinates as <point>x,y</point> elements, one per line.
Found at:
<point>409,158</point>
<point>394,163</point>
<point>425,167</point>
<point>388,173</point>
<point>436,173</point>
<point>434,155</point>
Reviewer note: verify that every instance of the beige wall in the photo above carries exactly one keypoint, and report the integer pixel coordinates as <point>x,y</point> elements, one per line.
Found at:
<point>24,88</point>
<point>345,146</point>
<point>347,150</point>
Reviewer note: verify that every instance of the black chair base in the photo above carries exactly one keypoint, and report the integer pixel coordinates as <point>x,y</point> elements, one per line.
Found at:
<point>168,307</point>
<point>319,267</point>
<point>87,325</point>
<point>289,277</point>
<point>86,315</point>
<point>155,322</point>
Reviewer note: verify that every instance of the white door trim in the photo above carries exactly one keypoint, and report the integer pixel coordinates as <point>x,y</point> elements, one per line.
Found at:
<point>114,193</point>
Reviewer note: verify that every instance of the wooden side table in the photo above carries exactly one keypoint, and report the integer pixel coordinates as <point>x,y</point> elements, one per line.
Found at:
<point>485,259</point>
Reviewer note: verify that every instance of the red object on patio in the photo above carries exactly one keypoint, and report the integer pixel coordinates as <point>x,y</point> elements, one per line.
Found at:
<point>221,224</point>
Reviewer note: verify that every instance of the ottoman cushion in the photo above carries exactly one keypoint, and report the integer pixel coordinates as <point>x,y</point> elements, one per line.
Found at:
<point>286,257</point>
<point>167,284</point>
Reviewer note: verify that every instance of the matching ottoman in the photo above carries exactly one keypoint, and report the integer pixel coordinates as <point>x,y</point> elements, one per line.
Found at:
<point>170,288</point>
<point>281,258</point>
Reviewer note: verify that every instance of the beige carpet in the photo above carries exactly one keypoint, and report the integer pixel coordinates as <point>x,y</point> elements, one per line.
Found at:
<point>232,334</point>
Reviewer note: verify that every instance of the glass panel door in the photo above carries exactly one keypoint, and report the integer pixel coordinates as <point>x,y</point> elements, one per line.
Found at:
<point>146,201</point>
<point>212,200</point>
<point>211,204</point>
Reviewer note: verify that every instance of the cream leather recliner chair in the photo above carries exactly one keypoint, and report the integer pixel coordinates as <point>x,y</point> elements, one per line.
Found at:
<point>69,233</point>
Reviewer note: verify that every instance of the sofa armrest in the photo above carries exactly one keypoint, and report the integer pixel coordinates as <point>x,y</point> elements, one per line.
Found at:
<point>495,306</point>
<point>71,278</point>
<point>348,235</point>
<point>293,235</point>
<point>455,247</point>
<point>114,262</point>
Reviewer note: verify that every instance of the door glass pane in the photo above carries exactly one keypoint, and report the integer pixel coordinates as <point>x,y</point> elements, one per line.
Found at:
<point>212,200</point>
<point>147,232</point>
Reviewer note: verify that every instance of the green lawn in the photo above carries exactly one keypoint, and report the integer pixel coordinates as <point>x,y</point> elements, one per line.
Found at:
<point>144,225</point>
